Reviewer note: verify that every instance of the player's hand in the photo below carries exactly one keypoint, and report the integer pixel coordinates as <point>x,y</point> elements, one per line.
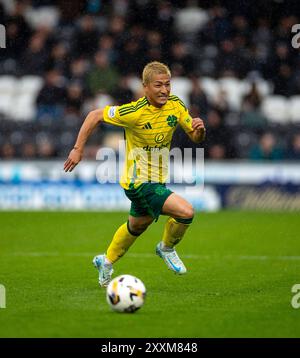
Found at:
<point>198,124</point>
<point>199,131</point>
<point>73,159</point>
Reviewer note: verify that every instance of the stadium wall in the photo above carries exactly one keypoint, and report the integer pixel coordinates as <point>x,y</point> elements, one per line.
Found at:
<point>43,185</point>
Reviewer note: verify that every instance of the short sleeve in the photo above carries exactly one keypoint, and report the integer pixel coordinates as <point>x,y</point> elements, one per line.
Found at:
<point>185,120</point>
<point>117,116</point>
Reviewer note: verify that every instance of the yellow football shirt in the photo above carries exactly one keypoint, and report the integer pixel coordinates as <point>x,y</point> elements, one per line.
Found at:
<point>148,133</point>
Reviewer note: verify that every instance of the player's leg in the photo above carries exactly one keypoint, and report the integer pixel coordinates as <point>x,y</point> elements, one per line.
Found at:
<point>177,207</point>
<point>123,238</point>
<point>181,215</point>
<point>126,235</point>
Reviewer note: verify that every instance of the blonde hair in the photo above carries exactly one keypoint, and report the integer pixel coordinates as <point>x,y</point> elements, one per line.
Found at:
<point>154,67</point>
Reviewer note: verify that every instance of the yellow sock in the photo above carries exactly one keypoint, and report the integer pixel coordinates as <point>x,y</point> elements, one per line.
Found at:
<point>174,231</point>
<point>121,242</point>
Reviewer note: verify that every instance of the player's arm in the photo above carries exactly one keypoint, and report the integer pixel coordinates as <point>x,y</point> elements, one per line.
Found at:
<point>197,135</point>
<point>193,127</point>
<point>87,128</point>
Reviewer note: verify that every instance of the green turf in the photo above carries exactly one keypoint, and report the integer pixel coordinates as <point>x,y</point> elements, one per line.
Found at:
<point>241,270</point>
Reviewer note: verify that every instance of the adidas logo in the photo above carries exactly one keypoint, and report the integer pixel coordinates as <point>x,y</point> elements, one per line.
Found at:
<point>147,126</point>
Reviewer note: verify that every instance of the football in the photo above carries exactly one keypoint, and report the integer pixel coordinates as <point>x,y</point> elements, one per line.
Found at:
<point>126,293</point>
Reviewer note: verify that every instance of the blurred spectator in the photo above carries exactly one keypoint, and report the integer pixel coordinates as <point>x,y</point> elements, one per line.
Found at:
<point>138,33</point>
<point>3,15</point>
<point>14,46</point>
<point>154,46</point>
<point>198,99</point>
<point>46,149</point>
<point>266,149</point>
<point>74,99</point>
<point>69,14</point>
<point>217,152</point>
<point>106,45</point>
<point>252,99</point>
<point>229,63</point>
<point>131,50</point>
<point>254,119</point>
<point>35,58</point>
<point>281,57</point>
<point>78,71</point>
<point>7,151</point>
<point>165,22</point>
<point>218,142</point>
<point>116,29</point>
<point>58,58</point>
<point>220,103</point>
<point>251,115</point>
<point>263,35</point>
<point>143,11</point>
<point>217,29</point>
<point>51,98</point>
<point>293,152</point>
<point>120,7</point>
<point>17,31</point>
<point>240,26</point>
<point>17,34</point>
<point>283,82</point>
<point>98,45</point>
<point>86,38</point>
<point>28,150</point>
<point>295,81</point>
<point>103,77</point>
<point>122,93</point>
<point>285,23</point>
<point>90,151</point>
<point>181,59</point>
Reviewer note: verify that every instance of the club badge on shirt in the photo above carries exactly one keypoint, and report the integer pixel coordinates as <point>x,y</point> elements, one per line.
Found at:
<point>112,111</point>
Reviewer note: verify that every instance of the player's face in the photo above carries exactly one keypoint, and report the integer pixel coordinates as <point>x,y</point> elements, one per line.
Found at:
<point>158,89</point>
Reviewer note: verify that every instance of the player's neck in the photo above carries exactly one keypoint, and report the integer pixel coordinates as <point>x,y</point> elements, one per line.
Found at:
<point>154,104</point>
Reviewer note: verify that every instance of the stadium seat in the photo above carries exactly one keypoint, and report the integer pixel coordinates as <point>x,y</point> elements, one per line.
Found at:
<point>232,87</point>
<point>43,16</point>
<point>135,84</point>
<point>23,107</point>
<point>30,84</point>
<point>6,103</point>
<point>17,96</point>
<point>211,87</point>
<point>102,100</point>
<point>276,109</point>
<point>264,88</point>
<point>244,140</point>
<point>7,84</point>
<point>294,109</point>
<point>190,19</point>
<point>181,87</point>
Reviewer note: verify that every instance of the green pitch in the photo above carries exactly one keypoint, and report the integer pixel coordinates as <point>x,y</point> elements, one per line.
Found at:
<point>242,267</point>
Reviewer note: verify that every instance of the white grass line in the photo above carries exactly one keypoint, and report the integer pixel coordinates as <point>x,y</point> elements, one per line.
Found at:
<point>151,255</point>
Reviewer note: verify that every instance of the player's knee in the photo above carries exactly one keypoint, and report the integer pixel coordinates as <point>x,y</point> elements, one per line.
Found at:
<point>139,227</point>
<point>187,212</point>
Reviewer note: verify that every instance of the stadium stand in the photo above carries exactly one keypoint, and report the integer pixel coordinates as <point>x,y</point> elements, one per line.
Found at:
<point>232,66</point>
